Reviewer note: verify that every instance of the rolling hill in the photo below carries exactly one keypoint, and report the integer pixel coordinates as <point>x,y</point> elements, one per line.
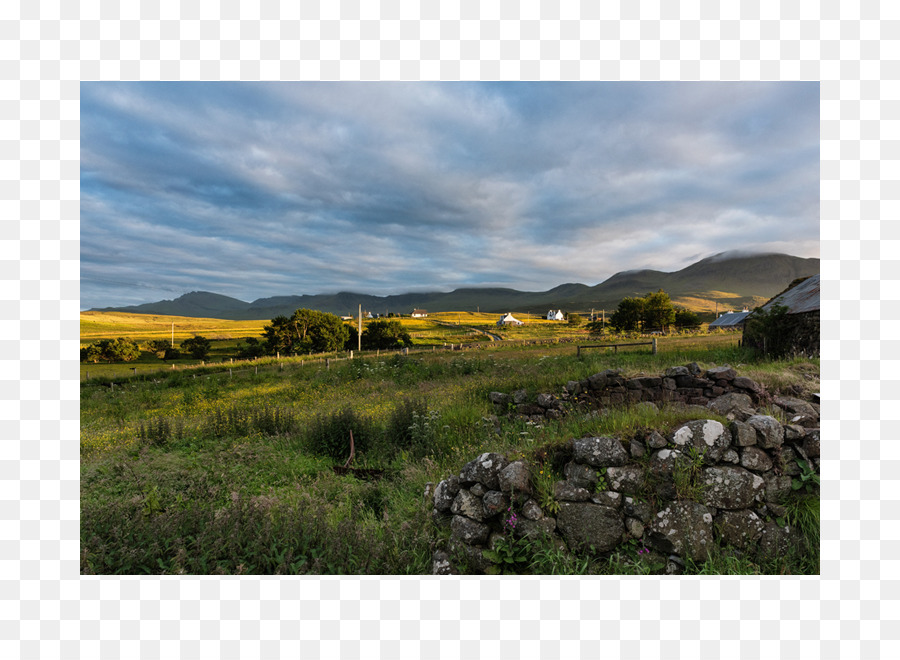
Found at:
<point>725,280</point>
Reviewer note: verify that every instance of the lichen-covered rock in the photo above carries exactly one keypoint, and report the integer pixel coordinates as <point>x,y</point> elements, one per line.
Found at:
<point>707,436</point>
<point>637,509</point>
<point>673,372</point>
<point>634,527</point>
<point>531,510</point>
<point>499,398</point>
<point>608,498</point>
<point>729,403</point>
<point>445,492</point>
<point>769,432</point>
<point>478,490</point>
<point>775,541</point>
<point>440,564</point>
<point>527,528</point>
<point>754,458</point>
<point>637,448</point>
<point>794,433</point>
<point>467,504</point>
<point>573,387</point>
<point>485,470</point>
<point>566,491</point>
<point>545,400</point>
<point>731,456</point>
<point>664,462</point>
<point>627,479</point>
<point>600,452</point>
<point>515,478</point>
<point>494,502</point>
<point>811,443</point>
<point>729,487</point>
<point>584,525</point>
<point>583,476</point>
<point>777,487</point>
<point>471,558</point>
<point>470,532</point>
<point>519,396</point>
<point>739,529</point>
<point>683,528</point>
<point>742,434</point>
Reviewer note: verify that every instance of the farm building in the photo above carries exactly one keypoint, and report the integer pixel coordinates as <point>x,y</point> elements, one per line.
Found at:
<point>730,321</point>
<point>509,319</point>
<point>419,313</point>
<point>789,322</point>
<point>555,316</point>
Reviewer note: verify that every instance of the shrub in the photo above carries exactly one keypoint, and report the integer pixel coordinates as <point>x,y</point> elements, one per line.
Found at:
<point>404,426</point>
<point>329,435</point>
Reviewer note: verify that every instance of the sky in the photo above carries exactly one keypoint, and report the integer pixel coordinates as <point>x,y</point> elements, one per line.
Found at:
<point>254,190</point>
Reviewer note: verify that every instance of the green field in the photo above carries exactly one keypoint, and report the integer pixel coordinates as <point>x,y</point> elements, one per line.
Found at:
<point>205,470</point>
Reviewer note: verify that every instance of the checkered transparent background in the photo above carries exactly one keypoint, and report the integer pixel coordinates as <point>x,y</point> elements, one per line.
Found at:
<point>48,610</point>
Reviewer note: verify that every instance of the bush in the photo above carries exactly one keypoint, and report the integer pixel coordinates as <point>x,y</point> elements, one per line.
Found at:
<point>329,435</point>
<point>403,427</point>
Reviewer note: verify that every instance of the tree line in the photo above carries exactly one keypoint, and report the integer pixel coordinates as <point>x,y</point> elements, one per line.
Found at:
<point>311,331</point>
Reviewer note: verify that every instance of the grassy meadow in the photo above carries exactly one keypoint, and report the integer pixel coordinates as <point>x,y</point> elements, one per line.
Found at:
<point>201,471</point>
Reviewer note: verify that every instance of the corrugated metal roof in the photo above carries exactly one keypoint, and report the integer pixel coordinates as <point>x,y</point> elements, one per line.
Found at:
<point>802,298</point>
<point>729,320</point>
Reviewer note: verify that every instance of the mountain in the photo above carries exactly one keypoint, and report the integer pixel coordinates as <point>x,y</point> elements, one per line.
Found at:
<point>725,280</point>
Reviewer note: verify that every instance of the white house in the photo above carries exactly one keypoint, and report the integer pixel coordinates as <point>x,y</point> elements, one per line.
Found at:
<point>419,313</point>
<point>509,319</point>
<point>555,316</point>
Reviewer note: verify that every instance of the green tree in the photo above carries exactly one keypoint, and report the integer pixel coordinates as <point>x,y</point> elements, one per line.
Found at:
<point>198,346</point>
<point>575,319</point>
<point>685,318</point>
<point>112,350</point>
<point>385,334</point>
<point>628,315</point>
<point>252,349</point>
<point>658,313</point>
<point>306,330</point>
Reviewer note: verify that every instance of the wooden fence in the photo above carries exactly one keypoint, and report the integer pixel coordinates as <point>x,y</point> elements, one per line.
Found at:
<point>615,347</point>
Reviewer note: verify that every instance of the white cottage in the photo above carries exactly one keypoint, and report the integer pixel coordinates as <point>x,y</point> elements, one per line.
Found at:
<point>555,316</point>
<point>509,319</point>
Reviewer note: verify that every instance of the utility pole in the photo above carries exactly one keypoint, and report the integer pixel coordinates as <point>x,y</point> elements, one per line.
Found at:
<point>359,331</point>
<point>173,335</point>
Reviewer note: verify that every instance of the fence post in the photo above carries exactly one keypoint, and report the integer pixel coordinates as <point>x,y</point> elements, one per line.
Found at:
<point>351,353</point>
<point>327,363</point>
<point>229,373</point>
<point>87,375</point>
<point>654,346</point>
<point>578,353</point>
<point>134,371</point>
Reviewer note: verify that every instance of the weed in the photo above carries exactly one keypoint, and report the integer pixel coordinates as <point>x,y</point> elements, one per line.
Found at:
<point>687,476</point>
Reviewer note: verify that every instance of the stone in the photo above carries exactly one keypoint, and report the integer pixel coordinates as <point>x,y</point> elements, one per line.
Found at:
<point>519,396</point>
<point>740,529</point>
<point>721,373</point>
<point>585,525</point>
<point>769,433</point>
<point>777,487</point>
<point>811,443</point>
<point>478,490</point>
<point>499,398</point>
<point>626,479</point>
<point>467,504</point>
<point>531,510</point>
<point>529,409</point>
<point>473,558</point>
<point>515,478</point>
<point>637,449</point>
<point>545,400</point>
<point>742,434</point>
<point>655,440</point>
<point>647,406</point>
<point>532,529</point>
<point>485,469</point>
<point>694,369</point>
<point>796,406</point>
<point>730,487</point>
<point>573,387</point>
<point>440,564</point>
<point>607,498</point>
<point>600,452</point>
<point>731,456</point>
<point>445,492</point>
<point>470,532</point>
<point>493,503</point>
<point>597,381</point>
<point>673,372</point>
<point>775,541</point>
<point>663,462</point>
<point>583,476</point>
<point>794,433</point>
<point>565,491</point>
<point>754,458</point>
<point>683,528</point>
<point>634,527</point>
<point>728,403</point>
<point>747,384</point>
<point>637,509</point>
<point>702,434</point>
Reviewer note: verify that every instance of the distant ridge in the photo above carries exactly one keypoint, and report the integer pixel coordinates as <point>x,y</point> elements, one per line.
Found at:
<point>728,279</point>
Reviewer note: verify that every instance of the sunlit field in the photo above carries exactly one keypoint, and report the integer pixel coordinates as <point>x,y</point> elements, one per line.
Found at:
<point>227,468</point>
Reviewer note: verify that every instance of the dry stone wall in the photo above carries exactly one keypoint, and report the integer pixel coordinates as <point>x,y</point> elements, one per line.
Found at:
<point>704,483</point>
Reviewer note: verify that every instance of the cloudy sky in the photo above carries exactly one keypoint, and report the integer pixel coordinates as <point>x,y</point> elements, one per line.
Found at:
<point>254,190</point>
